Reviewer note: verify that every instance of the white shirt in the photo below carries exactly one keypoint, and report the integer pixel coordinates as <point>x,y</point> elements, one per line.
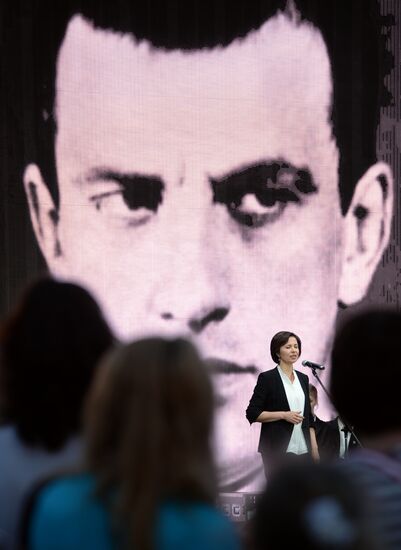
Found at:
<point>296,400</point>
<point>344,438</point>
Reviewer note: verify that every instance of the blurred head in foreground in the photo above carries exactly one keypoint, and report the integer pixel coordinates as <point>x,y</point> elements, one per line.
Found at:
<point>367,349</point>
<point>148,426</point>
<point>50,347</point>
<point>320,505</point>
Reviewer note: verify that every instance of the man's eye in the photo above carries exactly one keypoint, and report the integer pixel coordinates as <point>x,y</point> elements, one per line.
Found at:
<point>259,194</point>
<point>133,201</point>
<point>256,209</point>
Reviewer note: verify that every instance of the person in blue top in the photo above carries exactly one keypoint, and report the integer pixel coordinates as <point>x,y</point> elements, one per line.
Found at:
<point>150,481</point>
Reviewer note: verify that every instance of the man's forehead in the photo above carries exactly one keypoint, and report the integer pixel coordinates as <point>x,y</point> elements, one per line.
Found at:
<point>249,67</point>
<point>265,96</point>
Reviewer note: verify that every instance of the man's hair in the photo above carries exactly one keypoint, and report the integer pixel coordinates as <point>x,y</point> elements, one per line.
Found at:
<point>50,347</point>
<point>279,340</point>
<point>148,427</point>
<point>33,31</point>
<point>366,350</point>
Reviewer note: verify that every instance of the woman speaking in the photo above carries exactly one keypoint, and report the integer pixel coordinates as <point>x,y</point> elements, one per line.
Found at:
<point>280,402</point>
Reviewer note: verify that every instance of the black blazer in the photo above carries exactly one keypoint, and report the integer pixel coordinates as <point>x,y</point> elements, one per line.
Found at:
<point>328,439</point>
<point>269,395</point>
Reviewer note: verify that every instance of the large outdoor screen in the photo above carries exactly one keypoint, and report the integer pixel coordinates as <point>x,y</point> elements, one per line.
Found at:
<point>217,174</point>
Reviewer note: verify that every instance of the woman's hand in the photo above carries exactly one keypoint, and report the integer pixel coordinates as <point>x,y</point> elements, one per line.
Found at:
<point>293,417</point>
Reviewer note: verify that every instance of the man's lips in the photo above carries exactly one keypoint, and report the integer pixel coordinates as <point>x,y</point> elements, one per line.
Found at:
<point>220,366</point>
<point>227,383</point>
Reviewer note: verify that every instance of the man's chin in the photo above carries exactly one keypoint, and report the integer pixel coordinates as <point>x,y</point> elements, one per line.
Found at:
<point>244,474</point>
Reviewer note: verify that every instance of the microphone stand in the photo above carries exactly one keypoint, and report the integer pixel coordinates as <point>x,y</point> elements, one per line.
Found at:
<point>346,424</point>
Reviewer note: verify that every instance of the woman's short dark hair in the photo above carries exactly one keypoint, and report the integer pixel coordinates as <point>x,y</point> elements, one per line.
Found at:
<point>279,340</point>
<point>50,347</point>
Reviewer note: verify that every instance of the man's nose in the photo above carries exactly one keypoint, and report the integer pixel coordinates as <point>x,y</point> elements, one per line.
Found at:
<point>191,298</point>
<point>191,294</point>
<point>198,319</point>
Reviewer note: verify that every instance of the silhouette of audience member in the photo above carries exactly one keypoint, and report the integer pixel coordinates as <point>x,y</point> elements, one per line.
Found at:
<point>365,385</point>
<point>313,507</point>
<point>150,480</point>
<point>333,437</point>
<point>50,347</point>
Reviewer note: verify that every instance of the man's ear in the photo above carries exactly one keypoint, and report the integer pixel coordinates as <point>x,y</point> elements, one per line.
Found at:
<point>367,226</point>
<point>43,213</point>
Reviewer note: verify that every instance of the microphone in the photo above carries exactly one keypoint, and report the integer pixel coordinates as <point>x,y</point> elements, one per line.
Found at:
<point>313,365</point>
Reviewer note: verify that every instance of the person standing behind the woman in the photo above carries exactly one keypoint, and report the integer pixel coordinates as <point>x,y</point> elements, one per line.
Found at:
<point>280,402</point>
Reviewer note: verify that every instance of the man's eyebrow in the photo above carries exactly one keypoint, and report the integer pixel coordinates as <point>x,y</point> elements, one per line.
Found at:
<point>302,177</point>
<point>95,175</point>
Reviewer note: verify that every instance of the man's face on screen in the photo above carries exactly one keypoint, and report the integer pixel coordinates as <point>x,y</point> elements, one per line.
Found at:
<point>198,196</point>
